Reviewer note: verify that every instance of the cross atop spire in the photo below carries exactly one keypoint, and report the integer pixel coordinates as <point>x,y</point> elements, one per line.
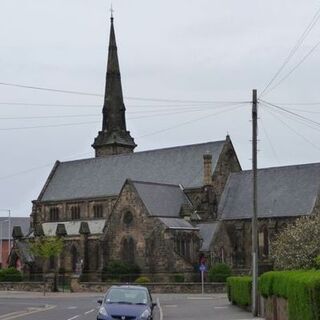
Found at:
<point>114,137</point>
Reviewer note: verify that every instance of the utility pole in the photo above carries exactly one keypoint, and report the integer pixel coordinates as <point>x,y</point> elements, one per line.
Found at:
<point>255,207</point>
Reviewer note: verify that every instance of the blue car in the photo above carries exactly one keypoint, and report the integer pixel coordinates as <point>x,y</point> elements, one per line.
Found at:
<point>126,303</point>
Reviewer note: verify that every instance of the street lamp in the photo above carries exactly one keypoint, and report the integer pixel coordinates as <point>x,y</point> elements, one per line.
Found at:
<point>9,225</point>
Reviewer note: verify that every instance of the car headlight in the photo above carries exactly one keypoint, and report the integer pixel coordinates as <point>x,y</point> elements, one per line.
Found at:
<point>103,311</point>
<point>145,315</point>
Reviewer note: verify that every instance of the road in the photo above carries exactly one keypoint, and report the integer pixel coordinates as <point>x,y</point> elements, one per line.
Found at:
<point>34,306</point>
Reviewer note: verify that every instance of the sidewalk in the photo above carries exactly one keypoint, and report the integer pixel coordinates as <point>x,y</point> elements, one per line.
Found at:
<point>29,294</point>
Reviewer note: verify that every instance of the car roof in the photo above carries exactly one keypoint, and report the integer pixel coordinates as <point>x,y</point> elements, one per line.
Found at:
<point>129,287</point>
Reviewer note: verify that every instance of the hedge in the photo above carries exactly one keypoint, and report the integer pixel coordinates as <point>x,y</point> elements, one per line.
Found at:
<point>300,288</point>
<point>239,290</point>
<point>10,275</point>
<point>219,272</point>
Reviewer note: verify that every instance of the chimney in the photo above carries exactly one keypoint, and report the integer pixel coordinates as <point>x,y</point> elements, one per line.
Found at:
<point>207,169</point>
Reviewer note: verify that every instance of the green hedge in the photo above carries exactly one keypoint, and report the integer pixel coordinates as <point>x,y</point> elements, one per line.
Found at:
<point>239,290</point>
<point>300,288</point>
<point>219,272</point>
<point>10,275</point>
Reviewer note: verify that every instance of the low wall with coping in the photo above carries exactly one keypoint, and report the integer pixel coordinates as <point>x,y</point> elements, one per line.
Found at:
<point>26,286</point>
<point>184,287</point>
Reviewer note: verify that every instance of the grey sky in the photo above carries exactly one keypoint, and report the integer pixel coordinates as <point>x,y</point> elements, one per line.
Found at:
<point>186,50</point>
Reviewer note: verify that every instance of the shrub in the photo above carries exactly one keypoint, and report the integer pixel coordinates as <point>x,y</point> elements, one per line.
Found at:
<point>120,271</point>
<point>300,288</point>
<point>219,273</point>
<point>178,277</point>
<point>239,290</point>
<point>10,275</point>
<point>142,279</point>
<point>298,246</point>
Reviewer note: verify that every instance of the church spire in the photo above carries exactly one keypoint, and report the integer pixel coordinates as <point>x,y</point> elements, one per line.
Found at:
<point>114,137</point>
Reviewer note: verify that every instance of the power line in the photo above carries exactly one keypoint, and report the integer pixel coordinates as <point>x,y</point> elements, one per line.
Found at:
<point>292,52</point>
<point>100,95</point>
<point>270,141</point>
<point>293,130</point>
<point>295,67</point>
<point>292,113</point>
<point>293,118</point>
<point>190,121</point>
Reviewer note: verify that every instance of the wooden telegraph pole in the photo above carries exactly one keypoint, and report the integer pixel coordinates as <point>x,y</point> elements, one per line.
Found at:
<point>255,209</point>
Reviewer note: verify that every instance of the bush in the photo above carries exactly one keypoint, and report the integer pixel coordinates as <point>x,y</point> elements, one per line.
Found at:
<point>142,280</point>
<point>300,288</point>
<point>178,277</point>
<point>120,271</point>
<point>10,275</point>
<point>239,290</point>
<point>219,273</point>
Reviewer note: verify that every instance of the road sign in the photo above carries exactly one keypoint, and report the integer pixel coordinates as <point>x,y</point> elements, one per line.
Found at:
<point>202,268</point>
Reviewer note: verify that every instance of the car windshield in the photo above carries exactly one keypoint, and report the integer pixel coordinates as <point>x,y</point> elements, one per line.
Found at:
<point>127,296</point>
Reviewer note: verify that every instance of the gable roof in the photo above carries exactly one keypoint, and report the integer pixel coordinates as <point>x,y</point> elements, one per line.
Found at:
<point>207,232</point>
<point>282,192</point>
<point>23,222</point>
<point>162,200</point>
<point>104,176</point>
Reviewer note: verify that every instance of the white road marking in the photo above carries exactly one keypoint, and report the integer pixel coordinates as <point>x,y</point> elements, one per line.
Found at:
<point>72,307</point>
<point>200,298</point>
<point>160,309</point>
<point>15,315</point>
<point>75,317</point>
<point>89,311</point>
<point>170,305</point>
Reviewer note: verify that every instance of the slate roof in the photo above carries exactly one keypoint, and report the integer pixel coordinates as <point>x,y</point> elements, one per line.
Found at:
<point>162,200</point>
<point>282,192</point>
<point>72,227</point>
<point>23,222</point>
<point>207,232</point>
<point>104,176</point>
<point>178,224</point>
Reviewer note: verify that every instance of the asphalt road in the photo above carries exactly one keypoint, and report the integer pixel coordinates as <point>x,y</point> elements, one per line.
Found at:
<point>34,306</point>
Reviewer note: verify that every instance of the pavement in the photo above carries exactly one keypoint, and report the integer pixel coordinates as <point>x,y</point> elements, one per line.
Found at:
<point>83,306</point>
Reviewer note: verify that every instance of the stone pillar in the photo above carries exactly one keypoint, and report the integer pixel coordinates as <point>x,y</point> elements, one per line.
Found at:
<point>84,232</point>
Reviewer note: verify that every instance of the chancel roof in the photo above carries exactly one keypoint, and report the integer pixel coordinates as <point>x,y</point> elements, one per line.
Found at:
<point>282,192</point>
<point>104,176</point>
<point>23,222</point>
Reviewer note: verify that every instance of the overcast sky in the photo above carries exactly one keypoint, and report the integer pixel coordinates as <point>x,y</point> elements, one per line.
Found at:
<point>194,50</point>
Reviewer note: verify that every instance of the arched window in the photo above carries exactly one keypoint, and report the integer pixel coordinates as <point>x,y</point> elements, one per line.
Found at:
<point>128,219</point>
<point>54,214</point>
<point>128,250</point>
<point>264,241</point>
<point>75,212</point>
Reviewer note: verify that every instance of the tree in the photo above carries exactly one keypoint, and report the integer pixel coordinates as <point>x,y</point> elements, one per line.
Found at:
<point>298,245</point>
<point>46,248</point>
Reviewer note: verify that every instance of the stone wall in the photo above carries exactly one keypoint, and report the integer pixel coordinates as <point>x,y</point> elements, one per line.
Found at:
<point>26,286</point>
<point>275,308</point>
<point>186,287</point>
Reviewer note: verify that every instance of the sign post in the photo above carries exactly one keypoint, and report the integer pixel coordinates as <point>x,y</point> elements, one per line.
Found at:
<point>202,269</point>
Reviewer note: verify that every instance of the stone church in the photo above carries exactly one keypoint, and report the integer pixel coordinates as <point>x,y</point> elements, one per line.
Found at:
<point>163,209</point>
